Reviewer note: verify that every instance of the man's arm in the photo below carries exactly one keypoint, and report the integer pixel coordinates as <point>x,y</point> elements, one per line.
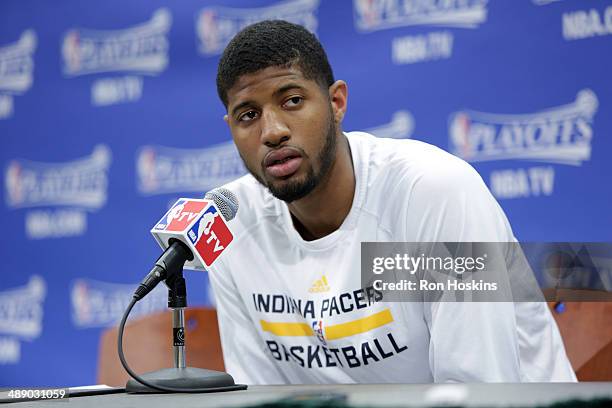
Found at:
<point>479,341</point>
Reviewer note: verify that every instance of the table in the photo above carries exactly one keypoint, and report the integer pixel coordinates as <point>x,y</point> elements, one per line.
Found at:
<point>383,395</point>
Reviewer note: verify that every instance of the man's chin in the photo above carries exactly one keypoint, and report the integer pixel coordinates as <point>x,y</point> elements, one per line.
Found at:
<point>290,190</point>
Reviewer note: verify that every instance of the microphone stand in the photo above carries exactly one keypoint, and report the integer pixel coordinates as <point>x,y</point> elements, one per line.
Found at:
<point>181,377</point>
<point>177,301</point>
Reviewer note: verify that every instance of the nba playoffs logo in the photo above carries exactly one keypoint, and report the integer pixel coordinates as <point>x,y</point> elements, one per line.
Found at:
<point>142,48</point>
<point>16,70</point>
<point>21,309</point>
<point>216,26</point>
<point>82,182</point>
<point>68,188</point>
<point>21,317</point>
<point>210,235</point>
<point>17,65</point>
<point>101,304</point>
<point>162,170</point>
<point>557,135</point>
<point>373,15</point>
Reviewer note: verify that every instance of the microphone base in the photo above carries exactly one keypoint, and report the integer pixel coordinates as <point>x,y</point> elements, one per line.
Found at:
<point>185,378</point>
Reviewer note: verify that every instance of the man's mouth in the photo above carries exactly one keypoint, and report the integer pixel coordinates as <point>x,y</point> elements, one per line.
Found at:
<point>283,163</point>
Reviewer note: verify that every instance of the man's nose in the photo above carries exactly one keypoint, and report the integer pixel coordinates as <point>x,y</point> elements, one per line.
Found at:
<point>273,129</point>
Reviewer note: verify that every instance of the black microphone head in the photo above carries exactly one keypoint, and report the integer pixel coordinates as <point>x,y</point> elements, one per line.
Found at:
<point>225,201</point>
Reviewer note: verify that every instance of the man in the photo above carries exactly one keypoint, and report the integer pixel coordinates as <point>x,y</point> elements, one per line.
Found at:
<point>290,302</point>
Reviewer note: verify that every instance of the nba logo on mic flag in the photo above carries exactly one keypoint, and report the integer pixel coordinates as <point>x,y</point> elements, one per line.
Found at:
<point>180,215</point>
<point>210,235</point>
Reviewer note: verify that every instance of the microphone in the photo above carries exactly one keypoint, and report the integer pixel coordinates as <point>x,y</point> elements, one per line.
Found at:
<point>192,235</point>
<point>225,201</point>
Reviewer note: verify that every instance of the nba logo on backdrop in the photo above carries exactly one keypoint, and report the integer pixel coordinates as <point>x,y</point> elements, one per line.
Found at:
<point>14,186</point>
<point>145,167</point>
<point>82,302</point>
<point>209,32</point>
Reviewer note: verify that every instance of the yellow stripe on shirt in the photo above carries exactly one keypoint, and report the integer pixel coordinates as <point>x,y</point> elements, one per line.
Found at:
<point>286,329</point>
<point>338,331</point>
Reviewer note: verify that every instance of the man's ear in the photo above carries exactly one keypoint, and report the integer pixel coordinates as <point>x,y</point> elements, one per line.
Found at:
<point>338,95</point>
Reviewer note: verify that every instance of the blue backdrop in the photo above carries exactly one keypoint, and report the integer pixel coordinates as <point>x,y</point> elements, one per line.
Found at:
<point>108,113</point>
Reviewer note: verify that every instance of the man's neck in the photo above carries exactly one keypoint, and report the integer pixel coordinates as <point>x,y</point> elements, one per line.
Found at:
<point>323,210</point>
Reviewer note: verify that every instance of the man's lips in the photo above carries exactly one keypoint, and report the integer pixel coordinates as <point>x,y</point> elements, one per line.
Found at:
<point>283,162</point>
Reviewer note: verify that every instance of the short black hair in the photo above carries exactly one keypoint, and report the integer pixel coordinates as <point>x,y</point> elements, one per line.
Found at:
<point>272,43</point>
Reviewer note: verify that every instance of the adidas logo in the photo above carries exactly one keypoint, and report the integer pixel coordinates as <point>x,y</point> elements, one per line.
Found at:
<point>320,285</point>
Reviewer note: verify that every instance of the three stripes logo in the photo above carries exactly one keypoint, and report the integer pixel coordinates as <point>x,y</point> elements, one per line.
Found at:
<point>319,286</point>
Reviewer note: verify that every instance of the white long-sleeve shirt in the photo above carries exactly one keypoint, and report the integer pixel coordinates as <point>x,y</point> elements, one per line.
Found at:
<point>294,311</point>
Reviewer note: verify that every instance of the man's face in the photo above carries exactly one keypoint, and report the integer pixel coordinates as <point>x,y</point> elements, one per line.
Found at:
<point>283,126</point>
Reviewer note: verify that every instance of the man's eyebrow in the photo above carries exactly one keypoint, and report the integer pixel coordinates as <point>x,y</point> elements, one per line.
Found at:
<point>240,106</point>
<point>287,87</point>
<point>276,93</point>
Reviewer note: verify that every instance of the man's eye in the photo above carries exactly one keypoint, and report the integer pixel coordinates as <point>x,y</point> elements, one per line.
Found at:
<point>293,101</point>
<point>247,116</point>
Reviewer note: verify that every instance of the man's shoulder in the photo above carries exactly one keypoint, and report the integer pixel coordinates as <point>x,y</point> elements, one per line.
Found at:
<point>411,183</point>
<point>400,165</point>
